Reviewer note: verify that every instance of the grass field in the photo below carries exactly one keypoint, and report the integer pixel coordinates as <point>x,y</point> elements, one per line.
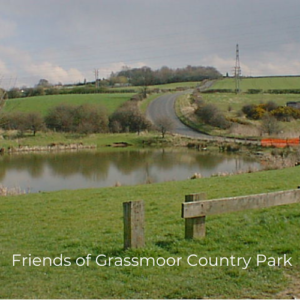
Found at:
<point>175,85</point>
<point>76,223</point>
<point>259,83</point>
<point>99,139</point>
<point>43,103</point>
<point>230,104</point>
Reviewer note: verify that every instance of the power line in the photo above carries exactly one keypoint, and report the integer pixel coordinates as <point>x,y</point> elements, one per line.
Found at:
<point>237,70</point>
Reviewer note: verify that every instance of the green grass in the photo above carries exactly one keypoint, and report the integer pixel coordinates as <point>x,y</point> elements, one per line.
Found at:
<point>230,104</point>
<point>259,83</point>
<point>43,103</point>
<point>77,223</point>
<point>101,140</point>
<point>237,101</point>
<point>175,85</point>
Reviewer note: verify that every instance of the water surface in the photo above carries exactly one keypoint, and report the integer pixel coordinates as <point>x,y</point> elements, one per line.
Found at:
<point>90,169</point>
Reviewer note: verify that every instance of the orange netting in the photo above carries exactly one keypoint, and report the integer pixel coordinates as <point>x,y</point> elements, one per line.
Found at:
<point>280,143</point>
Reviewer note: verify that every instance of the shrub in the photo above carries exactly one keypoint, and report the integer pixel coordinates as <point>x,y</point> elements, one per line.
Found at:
<point>89,118</point>
<point>128,117</point>
<point>84,118</point>
<point>271,105</point>
<point>210,114</point>
<point>254,112</point>
<point>248,109</point>
<point>24,121</point>
<point>254,91</point>
<point>270,125</point>
<point>286,113</point>
<point>60,118</point>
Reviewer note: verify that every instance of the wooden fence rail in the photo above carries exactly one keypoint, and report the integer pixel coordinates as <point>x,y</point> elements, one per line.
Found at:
<point>196,211</point>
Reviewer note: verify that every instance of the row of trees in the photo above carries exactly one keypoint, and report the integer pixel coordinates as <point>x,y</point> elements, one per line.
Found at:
<point>147,76</point>
<point>84,119</point>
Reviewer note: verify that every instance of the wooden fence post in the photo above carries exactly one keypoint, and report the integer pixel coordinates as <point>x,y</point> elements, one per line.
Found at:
<point>195,227</point>
<point>134,214</point>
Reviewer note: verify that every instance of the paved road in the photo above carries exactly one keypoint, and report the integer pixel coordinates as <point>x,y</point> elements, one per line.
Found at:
<point>165,106</point>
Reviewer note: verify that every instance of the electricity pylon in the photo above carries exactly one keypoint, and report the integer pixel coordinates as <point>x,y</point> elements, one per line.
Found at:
<point>237,70</point>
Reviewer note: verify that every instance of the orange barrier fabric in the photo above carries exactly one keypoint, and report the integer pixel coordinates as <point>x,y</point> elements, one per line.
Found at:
<point>279,143</point>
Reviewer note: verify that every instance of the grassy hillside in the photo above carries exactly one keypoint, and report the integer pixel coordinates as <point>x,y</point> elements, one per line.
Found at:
<point>231,104</point>
<point>43,103</point>
<point>259,83</point>
<point>175,85</point>
<point>76,223</point>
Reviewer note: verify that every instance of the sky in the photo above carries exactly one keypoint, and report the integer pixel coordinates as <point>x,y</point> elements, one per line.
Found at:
<point>67,40</point>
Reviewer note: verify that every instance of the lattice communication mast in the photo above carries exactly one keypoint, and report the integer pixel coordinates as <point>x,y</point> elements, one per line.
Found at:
<point>237,70</point>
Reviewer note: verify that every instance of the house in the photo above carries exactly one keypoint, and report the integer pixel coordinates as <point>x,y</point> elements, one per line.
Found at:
<point>293,104</point>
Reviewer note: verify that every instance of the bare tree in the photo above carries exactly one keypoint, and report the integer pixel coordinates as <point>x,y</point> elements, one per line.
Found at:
<point>164,124</point>
<point>269,124</point>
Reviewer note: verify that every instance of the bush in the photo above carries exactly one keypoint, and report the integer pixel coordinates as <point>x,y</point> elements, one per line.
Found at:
<point>84,118</point>
<point>210,114</point>
<point>60,118</point>
<point>128,117</point>
<point>254,91</point>
<point>254,112</point>
<point>270,125</point>
<point>286,113</point>
<point>271,105</point>
<point>23,122</point>
<point>89,118</point>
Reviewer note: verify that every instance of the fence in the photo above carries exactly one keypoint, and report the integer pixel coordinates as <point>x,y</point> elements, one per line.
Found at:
<point>279,143</point>
<point>195,209</point>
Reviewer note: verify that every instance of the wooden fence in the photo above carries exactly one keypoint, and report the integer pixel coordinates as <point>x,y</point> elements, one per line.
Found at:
<point>195,209</point>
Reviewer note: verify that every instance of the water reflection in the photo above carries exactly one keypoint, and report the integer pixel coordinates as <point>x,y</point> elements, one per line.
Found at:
<point>64,170</point>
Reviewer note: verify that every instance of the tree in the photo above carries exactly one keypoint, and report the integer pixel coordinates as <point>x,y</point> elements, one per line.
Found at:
<point>34,121</point>
<point>43,83</point>
<point>143,92</point>
<point>14,93</point>
<point>24,121</point>
<point>210,114</point>
<point>145,76</point>
<point>128,117</point>
<point>88,118</point>
<point>60,118</point>
<point>84,118</point>
<point>2,98</point>
<point>164,124</point>
<point>270,125</point>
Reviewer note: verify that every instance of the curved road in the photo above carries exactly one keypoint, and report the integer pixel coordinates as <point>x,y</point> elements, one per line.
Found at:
<point>164,106</point>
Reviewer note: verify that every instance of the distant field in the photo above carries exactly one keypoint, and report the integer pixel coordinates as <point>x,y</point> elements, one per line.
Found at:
<point>43,103</point>
<point>161,86</point>
<point>265,84</point>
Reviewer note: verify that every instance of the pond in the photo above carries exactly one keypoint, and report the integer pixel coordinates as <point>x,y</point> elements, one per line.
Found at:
<point>36,172</point>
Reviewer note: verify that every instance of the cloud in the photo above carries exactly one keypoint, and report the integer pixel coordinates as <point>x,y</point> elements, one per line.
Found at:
<point>281,61</point>
<point>54,73</point>
<point>19,64</point>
